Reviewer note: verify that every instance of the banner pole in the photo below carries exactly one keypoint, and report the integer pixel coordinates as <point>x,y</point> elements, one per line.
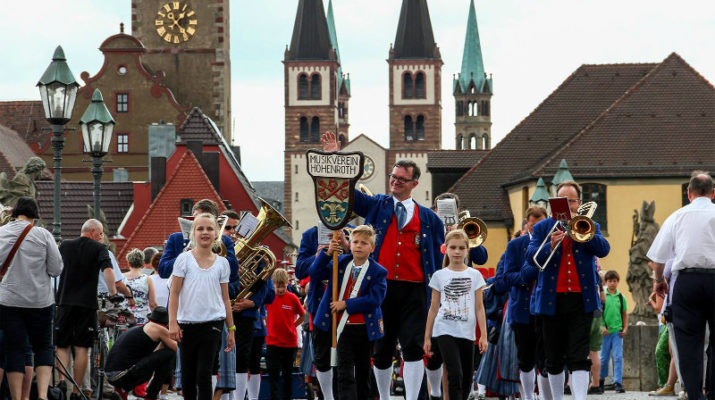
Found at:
<point>335,295</point>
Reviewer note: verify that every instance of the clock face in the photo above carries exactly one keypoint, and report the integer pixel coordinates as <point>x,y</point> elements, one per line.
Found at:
<point>369,169</point>
<point>176,22</point>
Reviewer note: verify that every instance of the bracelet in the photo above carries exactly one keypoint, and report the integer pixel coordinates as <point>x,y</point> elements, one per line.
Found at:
<point>231,328</point>
<point>659,280</point>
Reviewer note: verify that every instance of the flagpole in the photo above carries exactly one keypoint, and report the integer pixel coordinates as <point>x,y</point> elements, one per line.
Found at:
<point>335,296</point>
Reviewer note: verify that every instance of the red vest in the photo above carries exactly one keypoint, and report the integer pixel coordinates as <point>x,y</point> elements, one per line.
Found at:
<point>352,318</point>
<point>400,251</point>
<point>568,275</point>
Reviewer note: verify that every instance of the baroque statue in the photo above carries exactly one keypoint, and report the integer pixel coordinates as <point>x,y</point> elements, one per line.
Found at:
<point>22,184</point>
<point>639,278</point>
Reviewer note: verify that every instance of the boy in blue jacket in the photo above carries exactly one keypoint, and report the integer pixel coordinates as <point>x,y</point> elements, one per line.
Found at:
<point>362,285</point>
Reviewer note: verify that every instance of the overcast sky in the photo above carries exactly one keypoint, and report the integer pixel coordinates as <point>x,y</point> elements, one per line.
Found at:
<point>530,47</point>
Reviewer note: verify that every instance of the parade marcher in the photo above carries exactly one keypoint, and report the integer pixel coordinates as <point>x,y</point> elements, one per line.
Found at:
<point>29,258</point>
<point>142,287</point>
<point>408,246</point>
<point>198,305</point>
<point>565,297</point>
<point>518,316</point>
<point>688,236</point>
<point>362,286</point>
<point>455,310</point>
<point>254,358</point>
<point>76,320</point>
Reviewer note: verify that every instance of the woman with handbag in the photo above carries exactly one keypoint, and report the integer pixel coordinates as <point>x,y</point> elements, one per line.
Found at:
<point>30,257</point>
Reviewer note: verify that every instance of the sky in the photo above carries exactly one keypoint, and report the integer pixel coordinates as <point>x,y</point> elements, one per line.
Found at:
<point>529,47</point>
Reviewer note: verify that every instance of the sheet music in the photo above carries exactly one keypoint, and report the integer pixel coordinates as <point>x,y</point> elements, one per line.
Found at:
<point>560,208</point>
<point>247,225</point>
<point>325,235</point>
<point>447,211</point>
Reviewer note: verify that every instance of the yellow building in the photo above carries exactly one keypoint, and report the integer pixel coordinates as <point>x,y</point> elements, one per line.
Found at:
<point>627,132</point>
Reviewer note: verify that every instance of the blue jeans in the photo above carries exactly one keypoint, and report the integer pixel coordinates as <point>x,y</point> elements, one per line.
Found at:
<point>612,343</point>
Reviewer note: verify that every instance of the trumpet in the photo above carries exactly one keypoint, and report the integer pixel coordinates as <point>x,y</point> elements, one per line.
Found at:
<point>474,227</point>
<point>580,228</point>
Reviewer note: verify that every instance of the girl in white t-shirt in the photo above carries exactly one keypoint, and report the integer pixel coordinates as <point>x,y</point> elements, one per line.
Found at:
<point>198,305</point>
<point>456,307</point>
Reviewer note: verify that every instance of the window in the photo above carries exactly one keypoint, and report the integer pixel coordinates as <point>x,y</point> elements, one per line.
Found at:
<point>296,197</point>
<point>460,108</point>
<point>122,102</point>
<point>407,91</point>
<point>303,129</point>
<point>597,192</point>
<point>315,87</point>
<point>315,130</point>
<point>186,205</point>
<point>485,108</point>
<point>303,86</point>
<point>684,195</point>
<point>122,142</point>
<point>485,142</point>
<point>420,129</point>
<point>409,129</point>
<point>460,137</point>
<point>296,169</point>
<point>420,85</point>
<point>473,141</point>
<point>342,110</point>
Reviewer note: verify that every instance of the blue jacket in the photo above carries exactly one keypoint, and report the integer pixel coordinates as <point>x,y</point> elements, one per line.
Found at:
<point>378,211</point>
<point>260,325</point>
<point>265,295</point>
<point>509,277</point>
<point>175,245</point>
<point>372,293</point>
<point>544,296</point>
<point>478,255</point>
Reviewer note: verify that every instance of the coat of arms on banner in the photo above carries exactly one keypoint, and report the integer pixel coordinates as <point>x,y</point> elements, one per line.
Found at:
<point>334,176</point>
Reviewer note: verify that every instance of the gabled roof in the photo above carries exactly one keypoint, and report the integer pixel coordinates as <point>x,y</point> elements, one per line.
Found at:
<point>272,192</point>
<point>198,126</point>
<point>27,118</point>
<point>363,136</point>
<point>578,101</point>
<point>343,82</point>
<point>414,38</point>
<point>453,159</point>
<point>117,198</point>
<point>311,40</point>
<point>472,63</point>
<point>160,220</point>
<point>14,149</point>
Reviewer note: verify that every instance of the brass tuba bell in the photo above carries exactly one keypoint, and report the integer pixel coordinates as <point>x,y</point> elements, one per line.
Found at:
<point>474,227</point>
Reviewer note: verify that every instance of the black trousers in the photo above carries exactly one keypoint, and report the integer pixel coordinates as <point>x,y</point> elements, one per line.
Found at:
<point>159,364</point>
<point>254,358</point>
<point>458,355</point>
<point>322,342</point>
<point>244,339</point>
<point>404,312</point>
<point>525,338</point>
<point>566,335</point>
<point>23,324</point>
<point>693,306</point>
<point>280,360</point>
<point>354,349</point>
<point>435,360</point>
<point>199,354</point>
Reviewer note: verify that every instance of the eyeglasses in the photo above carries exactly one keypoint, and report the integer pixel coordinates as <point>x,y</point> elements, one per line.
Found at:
<point>574,201</point>
<point>230,227</point>
<point>399,179</point>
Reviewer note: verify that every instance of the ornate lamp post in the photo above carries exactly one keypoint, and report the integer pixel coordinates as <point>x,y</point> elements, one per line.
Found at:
<point>58,90</point>
<point>97,126</point>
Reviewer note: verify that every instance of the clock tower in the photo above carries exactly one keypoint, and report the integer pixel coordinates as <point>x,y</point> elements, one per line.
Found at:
<point>188,41</point>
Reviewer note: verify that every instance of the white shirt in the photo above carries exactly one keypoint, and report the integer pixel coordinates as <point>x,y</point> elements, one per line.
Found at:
<point>687,236</point>
<point>118,276</point>
<point>409,208</point>
<point>161,290</point>
<point>200,299</point>
<point>456,316</point>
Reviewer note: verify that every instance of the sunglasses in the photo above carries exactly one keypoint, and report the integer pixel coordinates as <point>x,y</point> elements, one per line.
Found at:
<point>230,227</point>
<point>399,179</point>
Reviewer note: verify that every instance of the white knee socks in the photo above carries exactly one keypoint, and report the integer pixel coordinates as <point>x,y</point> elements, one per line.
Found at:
<point>412,374</point>
<point>241,382</point>
<point>325,379</point>
<point>527,384</point>
<point>214,381</point>
<point>383,377</point>
<point>544,387</point>
<point>579,384</point>
<point>254,386</point>
<point>556,382</point>
<point>434,378</point>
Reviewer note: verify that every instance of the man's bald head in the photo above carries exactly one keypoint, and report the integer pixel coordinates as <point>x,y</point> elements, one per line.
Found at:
<point>701,184</point>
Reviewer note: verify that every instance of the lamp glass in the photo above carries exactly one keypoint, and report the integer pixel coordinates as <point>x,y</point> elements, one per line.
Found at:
<point>58,101</point>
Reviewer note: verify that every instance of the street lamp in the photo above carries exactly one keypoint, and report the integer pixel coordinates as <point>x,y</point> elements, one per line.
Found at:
<point>97,126</point>
<point>58,91</point>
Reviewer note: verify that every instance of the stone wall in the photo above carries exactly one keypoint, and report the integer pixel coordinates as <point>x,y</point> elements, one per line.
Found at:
<point>639,371</point>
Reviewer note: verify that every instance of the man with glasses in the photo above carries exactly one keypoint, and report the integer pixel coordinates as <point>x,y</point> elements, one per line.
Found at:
<point>409,237</point>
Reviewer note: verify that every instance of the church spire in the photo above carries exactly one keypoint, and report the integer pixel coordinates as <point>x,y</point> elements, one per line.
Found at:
<point>414,37</point>
<point>311,40</point>
<point>334,42</point>
<point>472,64</point>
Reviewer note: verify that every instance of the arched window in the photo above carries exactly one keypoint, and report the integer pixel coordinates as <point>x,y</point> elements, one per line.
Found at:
<point>485,142</point>
<point>303,86</point>
<point>597,192</point>
<point>460,108</point>
<point>304,129</point>
<point>420,128</point>
<point>409,129</point>
<point>460,137</point>
<point>315,130</point>
<point>485,108</point>
<point>315,87</point>
<point>473,141</point>
<point>420,85</point>
<point>407,91</point>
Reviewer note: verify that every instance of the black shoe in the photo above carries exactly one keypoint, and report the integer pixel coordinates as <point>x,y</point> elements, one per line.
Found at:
<point>595,390</point>
<point>75,396</point>
<point>62,385</point>
<point>567,390</point>
<point>618,387</point>
<point>600,384</point>
<point>435,397</point>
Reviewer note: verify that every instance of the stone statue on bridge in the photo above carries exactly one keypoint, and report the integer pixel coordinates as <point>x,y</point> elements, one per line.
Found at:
<point>639,277</point>
<point>22,184</point>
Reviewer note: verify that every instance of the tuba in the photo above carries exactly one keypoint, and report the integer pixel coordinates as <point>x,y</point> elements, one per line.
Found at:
<point>474,227</point>
<point>252,256</point>
<point>580,228</point>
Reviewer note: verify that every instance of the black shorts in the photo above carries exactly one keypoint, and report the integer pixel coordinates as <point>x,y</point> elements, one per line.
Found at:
<point>75,326</point>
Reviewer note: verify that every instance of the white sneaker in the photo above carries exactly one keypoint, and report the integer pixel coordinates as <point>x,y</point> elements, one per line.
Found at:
<point>682,395</point>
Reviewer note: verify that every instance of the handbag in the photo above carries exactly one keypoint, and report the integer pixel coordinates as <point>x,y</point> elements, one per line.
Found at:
<point>10,256</point>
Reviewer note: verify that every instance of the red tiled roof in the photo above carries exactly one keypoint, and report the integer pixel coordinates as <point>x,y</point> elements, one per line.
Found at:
<point>160,220</point>
<point>6,167</point>
<point>27,118</point>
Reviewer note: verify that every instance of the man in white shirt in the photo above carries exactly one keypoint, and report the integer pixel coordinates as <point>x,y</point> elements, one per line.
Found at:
<point>688,236</point>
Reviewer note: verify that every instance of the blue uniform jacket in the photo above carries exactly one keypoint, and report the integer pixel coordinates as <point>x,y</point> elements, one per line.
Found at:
<point>509,277</point>
<point>175,245</point>
<point>544,297</point>
<point>478,255</point>
<point>260,326</point>
<point>378,211</point>
<point>372,293</point>
<point>265,295</point>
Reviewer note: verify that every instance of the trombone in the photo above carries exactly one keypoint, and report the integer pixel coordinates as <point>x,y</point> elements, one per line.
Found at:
<point>474,227</point>
<point>580,228</point>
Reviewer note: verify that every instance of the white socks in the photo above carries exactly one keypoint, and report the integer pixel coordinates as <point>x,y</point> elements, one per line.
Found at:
<point>434,378</point>
<point>481,389</point>
<point>412,374</point>
<point>214,381</point>
<point>579,384</point>
<point>527,384</point>
<point>228,395</point>
<point>254,387</point>
<point>544,387</point>
<point>241,382</point>
<point>557,385</point>
<point>383,377</point>
<point>325,379</point>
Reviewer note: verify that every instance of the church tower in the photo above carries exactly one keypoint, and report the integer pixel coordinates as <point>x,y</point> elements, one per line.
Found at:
<point>472,93</point>
<point>415,73</point>
<point>189,42</point>
<point>343,80</point>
